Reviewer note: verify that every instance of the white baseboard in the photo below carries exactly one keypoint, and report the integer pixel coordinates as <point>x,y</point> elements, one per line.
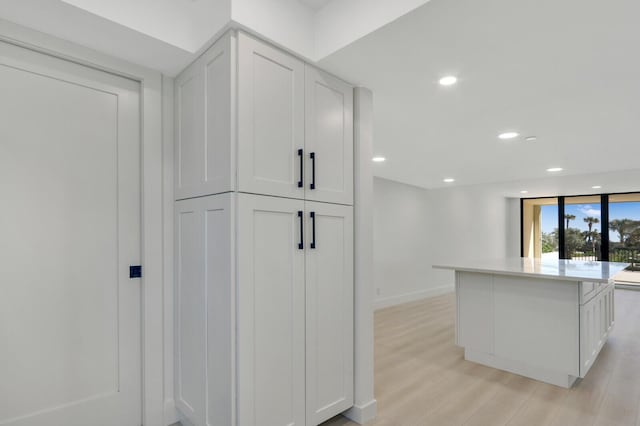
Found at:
<point>362,413</point>
<point>170,412</point>
<point>520,368</point>
<point>410,297</point>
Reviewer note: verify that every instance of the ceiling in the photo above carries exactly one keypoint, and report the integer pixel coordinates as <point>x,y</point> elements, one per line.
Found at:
<point>567,72</point>
<point>315,4</point>
<point>167,35</point>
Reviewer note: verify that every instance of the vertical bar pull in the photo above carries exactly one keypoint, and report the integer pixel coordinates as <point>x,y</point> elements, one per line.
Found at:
<point>313,230</point>
<point>300,154</point>
<point>301,243</point>
<point>313,170</point>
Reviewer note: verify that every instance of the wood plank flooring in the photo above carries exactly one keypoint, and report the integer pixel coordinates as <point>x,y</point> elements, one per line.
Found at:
<point>422,378</point>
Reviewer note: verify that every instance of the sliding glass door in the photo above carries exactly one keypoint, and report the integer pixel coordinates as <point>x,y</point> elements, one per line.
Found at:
<point>624,234</point>
<point>589,228</point>
<point>582,228</point>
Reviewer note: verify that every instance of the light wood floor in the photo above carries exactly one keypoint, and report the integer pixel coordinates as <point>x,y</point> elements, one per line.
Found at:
<point>422,378</point>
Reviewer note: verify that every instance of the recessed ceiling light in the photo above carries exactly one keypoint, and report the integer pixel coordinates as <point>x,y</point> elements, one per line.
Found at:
<point>508,135</point>
<point>448,80</point>
<point>596,186</point>
<point>524,192</point>
<point>555,169</point>
<point>378,159</point>
<point>448,180</point>
<point>530,138</point>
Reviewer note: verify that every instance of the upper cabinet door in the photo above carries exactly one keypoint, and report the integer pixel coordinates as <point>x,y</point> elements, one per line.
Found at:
<point>270,120</point>
<point>204,116</point>
<point>329,138</point>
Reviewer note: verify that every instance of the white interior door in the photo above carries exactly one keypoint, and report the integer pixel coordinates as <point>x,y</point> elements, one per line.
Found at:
<point>271,343</point>
<point>70,351</point>
<point>329,310</point>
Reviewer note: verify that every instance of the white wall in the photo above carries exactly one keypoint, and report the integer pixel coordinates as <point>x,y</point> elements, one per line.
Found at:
<point>415,228</point>
<point>401,243</point>
<point>469,222</point>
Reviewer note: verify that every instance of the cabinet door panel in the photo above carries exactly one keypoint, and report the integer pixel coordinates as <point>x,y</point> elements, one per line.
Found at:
<point>271,345</point>
<point>190,312</point>
<point>189,147</point>
<point>270,119</point>
<point>204,309</point>
<point>329,138</point>
<point>204,93</point>
<point>329,294</point>
<point>595,325</point>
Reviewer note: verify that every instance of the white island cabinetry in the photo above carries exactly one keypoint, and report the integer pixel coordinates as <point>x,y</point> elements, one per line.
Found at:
<point>547,320</point>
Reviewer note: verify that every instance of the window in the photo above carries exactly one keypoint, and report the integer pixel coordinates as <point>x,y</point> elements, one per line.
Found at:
<point>582,225</point>
<point>590,227</point>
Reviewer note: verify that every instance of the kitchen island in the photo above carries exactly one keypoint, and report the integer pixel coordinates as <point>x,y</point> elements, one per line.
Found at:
<point>543,319</point>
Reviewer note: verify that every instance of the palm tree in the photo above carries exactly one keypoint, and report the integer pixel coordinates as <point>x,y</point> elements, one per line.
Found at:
<point>623,227</point>
<point>592,238</point>
<point>569,217</point>
<point>590,222</point>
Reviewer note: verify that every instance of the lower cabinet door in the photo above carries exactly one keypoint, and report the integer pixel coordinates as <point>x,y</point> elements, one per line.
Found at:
<point>329,310</point>
<point>204,301</point>
<point>271,311</point>
<point>596,321</point>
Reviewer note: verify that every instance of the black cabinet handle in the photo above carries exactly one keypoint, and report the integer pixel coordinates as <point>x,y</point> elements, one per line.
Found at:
<point>313,230</point>
<point>301,243</point>
<point>313,170</point>
<point>300,182</point>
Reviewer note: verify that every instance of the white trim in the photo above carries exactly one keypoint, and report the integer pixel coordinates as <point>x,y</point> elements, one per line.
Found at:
<point>413,296</point>
<point>363,256</point>
<point>518,367</point>
<point>153,192</point>
<point>625,286</point>
<point>170,412</point>
<point>362,414</point>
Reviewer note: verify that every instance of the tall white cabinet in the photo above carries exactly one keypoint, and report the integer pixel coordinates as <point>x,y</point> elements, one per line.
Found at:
<point>264,239</point>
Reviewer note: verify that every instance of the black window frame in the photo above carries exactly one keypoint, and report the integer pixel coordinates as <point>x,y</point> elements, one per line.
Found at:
<point>604,217</point>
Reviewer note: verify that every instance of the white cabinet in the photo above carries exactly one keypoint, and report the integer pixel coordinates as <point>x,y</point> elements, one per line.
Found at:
<point>204,149</point>
<point>270,120</point>
<point>329,315</point>
<point>329,138</point>
<point>288,310</point>
<point>264,239</point>
<point>271,311</point>
<point>205,309</point>
<point>252,118</point>
<point>288,251</point>
<point>548,329</point>
<point>597,318</point>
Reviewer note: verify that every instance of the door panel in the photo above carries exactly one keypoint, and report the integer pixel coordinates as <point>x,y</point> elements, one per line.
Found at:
<point>270,119</point>
<point>328,138</point>
<point>271,312</point>
<point>329,316</point>
<point>190,310</point>
<point>205,304</point>
<point>70,228</point>
<point>203,150</point>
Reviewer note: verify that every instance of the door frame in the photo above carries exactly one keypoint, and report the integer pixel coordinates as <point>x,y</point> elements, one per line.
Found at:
<point>157,194</point>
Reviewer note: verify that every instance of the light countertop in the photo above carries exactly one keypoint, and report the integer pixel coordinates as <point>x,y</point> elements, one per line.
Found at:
<point>565,270</point>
